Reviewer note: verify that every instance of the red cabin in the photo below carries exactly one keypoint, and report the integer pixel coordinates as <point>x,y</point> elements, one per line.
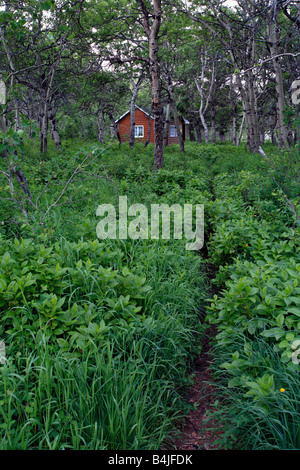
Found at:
<point>144,122</point>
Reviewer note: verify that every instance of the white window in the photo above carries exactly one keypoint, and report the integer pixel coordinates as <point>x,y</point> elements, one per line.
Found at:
<point>139,131</point>
<point>173,131</point>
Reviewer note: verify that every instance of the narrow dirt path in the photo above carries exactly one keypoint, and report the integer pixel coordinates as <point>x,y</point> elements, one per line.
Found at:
<point>199,430</point>
<point>196,432</point>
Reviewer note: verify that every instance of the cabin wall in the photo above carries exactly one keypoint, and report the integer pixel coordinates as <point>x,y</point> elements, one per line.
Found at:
<point>140,120</point>
<point>174,140</point>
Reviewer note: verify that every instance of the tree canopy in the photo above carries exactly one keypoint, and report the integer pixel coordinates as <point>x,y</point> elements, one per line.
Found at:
<point>222,65</point>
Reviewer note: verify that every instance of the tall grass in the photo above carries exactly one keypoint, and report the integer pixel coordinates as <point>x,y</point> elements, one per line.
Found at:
<point>102,401</point>
<point>124,392</point>
<point>268,421</point>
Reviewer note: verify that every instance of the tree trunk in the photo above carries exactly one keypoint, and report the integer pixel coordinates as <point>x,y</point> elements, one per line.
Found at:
<point>134,93</point>
<point>254,141</point>
<point>205,127</point>
<point>251,118</point>
<point>45,103</point>
<point>149,132</point>
<point>54,129</point>
<point>152,35</point>
<point>191,132</point>
<point>175,114</point>
<point>241,130</point>
<point>100,129</point>
<point>247,92</point>
<point>196,122</point>
<point>296,131</point>
<point>43,122</point>
<point>262,130</point>
<point>167,125</point>
<point>202,110</point>
<point>17,117</point>
<point>44,131</point>
<point>205,103</point>
<point>115,127</point>
<point>272,132</point>
<point>156,86</point>
<point>234,125</point>
<point>13,70</point>
<point>213,122</point>
<point>274,50</point>
<point>222,135</point>
<point>30,111</point>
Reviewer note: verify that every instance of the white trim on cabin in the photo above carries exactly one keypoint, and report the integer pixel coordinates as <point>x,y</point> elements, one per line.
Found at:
<point>128,112</point>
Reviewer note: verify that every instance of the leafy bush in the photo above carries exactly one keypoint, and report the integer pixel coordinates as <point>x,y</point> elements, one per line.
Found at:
<point>254,244</point>
<point>263,298</point>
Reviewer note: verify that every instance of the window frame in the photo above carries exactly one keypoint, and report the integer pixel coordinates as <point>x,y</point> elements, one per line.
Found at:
<point>174,133</point>
<point>135,131</point>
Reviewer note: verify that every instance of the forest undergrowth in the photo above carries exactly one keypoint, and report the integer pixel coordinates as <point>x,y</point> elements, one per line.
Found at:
<point>107,339</point>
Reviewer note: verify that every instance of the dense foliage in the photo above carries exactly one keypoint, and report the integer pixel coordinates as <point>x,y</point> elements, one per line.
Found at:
<point>100,333</point>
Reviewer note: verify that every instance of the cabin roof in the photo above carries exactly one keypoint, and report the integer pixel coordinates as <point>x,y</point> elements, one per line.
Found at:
<point>128,112</point>
<point>147,114</point>
<point>185,120</point>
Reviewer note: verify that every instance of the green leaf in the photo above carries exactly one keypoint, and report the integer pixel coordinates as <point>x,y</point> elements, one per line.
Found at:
<point>3,284</point>
<point>280,319</point>
<point>290,336</point>
<point>283,344</point>
<point>273,332</point>
<point>295,300</point>
<point>294,310</point>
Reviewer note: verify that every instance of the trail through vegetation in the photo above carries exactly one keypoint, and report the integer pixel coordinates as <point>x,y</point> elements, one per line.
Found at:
<point>107,340</point>
<point>199,431</point>
<point>114,335</point>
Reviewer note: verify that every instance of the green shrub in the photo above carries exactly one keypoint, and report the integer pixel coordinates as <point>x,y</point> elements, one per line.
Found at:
<point>260,298</point>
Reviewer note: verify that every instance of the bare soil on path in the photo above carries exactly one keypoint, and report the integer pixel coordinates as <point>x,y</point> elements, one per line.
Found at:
<point>200,431</point>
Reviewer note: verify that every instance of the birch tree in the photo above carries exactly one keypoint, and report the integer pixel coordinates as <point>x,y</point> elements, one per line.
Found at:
<point>135,86</point>
<point>236,33</point>
<point>205,92</point>
<point>151,18</point>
